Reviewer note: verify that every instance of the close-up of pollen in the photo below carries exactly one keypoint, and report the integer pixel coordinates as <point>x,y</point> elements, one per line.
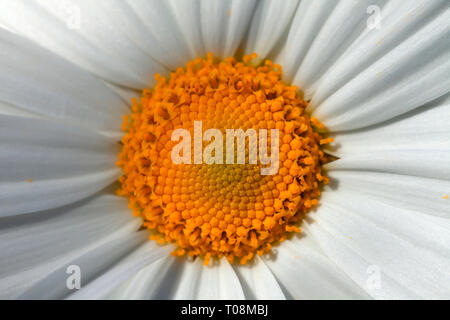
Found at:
<point>211,210</point>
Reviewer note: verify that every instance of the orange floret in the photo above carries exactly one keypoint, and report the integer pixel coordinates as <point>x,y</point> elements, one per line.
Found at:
<point>220,210</point>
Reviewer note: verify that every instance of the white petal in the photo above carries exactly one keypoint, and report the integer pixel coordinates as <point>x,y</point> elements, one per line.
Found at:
<point>45,164</point>
<point>363,235</point>
<point>155,27</point>
<point>37,82</point>
<point>91,266</point>
<point>268,26</point>
<point>365,273</point>
<point>403,192</point>
<point>11,110</point>
<point>126,94</point>
<point>145,254</point>
<point>399,20</point>
<point>187,287</point>
<point>224,24</point>
<point>216,282</point>
<point>154,282</point>
<point>33,246</point>
<point>305,273</point>
<point>417,144</point>
<point>424,231</point>
<point>410,75</point>
<point>187,18</point>
<point>427,163</point>
<point>85,34</point>
<point>340,28</point>
<point>258,281</point>
<point>309,18</point>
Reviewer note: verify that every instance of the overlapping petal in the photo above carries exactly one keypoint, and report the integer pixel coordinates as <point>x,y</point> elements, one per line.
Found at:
<point>37,83</point>
<point>45,164</point>
<point>268,27</point>
<point>417,144</point>
<point>304,272</point>
<point>401,69</point>
<point>105,280</point>
<point>392,250</point>
<point>250,277</point>
<point>215,282</point>
<point>35,246</point>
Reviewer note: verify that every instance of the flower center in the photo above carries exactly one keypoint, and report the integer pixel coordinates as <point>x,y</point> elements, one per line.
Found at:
<point>221,208</point>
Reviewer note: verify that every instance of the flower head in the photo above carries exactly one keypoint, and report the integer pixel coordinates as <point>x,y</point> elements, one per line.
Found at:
<point>221,208</point>
<point>364,83</point>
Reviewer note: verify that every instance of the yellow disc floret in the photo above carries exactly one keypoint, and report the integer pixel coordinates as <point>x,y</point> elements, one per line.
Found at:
<point>215,210</point>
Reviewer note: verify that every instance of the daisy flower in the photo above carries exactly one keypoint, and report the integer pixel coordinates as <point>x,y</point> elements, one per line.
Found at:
<point>92,94</point>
